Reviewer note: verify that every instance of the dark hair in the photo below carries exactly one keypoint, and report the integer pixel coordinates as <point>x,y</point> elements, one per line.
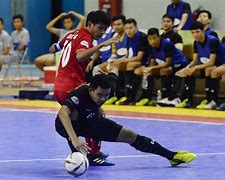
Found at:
<point>18,16</point>
<point>205,11</point>
<point>223,40</point>
<point>131,20</point>
<point>1,20</point>
<point>153,31</point>
<point>100,80</point>
<point>98,17</point>
<point>169,17</point>
<point>197,25</point>
<point>69,16</point>
<point>119,17</point>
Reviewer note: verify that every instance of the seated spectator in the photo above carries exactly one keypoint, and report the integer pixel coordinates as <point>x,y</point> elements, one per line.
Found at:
<point>169,33</point>
<point>118,50</point>
<point>68,21</point>
<point>181,12</point>
<point>137,44</point>
<point>215,74</point>
<point>208,54</point>
<point>165,59</point>
<point>205,17</point>
<point>19,38</point>
<point>5,44</point>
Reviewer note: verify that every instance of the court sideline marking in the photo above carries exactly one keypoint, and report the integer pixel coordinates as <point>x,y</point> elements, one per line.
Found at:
<point>110,157</point>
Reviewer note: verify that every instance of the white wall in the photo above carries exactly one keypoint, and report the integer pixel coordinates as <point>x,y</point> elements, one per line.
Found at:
<point>148,12</point>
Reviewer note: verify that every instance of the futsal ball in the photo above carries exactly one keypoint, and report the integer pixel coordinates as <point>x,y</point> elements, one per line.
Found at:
<point>76,164</point>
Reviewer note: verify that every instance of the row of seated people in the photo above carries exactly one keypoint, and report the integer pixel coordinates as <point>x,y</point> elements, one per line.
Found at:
<point>140,57</point>
<point>13,46</point>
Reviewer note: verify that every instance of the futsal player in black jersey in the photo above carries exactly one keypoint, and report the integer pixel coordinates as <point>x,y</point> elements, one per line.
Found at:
<point>79,116</point>
<point>169,33</point>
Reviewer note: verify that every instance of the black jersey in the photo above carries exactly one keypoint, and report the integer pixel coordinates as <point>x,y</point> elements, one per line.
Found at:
<point>80,100</point>
<point>172,36</point>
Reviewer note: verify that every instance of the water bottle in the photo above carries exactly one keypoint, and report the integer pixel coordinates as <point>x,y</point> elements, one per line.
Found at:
<point>159,95</point>
<point>145,82</point>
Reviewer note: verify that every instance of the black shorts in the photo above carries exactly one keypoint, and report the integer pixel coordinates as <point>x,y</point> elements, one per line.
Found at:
<point>101,129</point>
<point>178,67</point>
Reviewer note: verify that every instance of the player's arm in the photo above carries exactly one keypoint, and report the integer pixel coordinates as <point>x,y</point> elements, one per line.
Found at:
<point>168,51</point>
<point>50,26</point>
<point>184,17</point>
<point>178,42</point>
<point>84,55</point>
<point>6,45</point>
<point>24,42</point>
<point>194,57</point>
<point>80,17</point>
<point>64,116</point>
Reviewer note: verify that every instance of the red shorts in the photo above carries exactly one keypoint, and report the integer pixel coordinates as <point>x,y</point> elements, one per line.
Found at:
<point>60,96</point>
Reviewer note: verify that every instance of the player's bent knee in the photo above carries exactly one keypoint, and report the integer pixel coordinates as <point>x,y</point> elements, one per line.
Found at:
<point>127,136</point>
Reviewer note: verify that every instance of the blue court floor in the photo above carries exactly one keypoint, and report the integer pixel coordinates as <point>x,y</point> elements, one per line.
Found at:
<point>31,149</point>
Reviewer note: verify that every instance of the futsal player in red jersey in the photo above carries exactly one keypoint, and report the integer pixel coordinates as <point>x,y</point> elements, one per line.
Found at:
<point>76,49</point>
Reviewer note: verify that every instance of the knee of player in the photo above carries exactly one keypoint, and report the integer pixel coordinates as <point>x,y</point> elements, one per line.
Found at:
<point>129,135</point>
<point>214,74</point>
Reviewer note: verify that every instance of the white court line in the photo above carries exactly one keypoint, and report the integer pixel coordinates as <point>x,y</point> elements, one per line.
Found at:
<point>124,117</point>
<point>110,157</point>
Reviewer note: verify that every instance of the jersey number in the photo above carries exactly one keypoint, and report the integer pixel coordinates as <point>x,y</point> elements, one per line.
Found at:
<point>66,53</point>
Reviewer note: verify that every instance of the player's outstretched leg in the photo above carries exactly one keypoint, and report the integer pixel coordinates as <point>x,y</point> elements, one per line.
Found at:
<point>148,145</point>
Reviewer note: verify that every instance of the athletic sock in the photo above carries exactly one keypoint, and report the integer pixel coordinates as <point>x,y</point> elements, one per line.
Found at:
<point>151,84</point>
<point>148,145</point>
<point>215,85</point>
<point>165,88</point>
<point>208,88</point>
<point>176,84</point>
<point>189,88</point>
<point>135,83</point>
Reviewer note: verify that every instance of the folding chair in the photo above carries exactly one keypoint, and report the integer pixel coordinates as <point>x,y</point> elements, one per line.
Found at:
<point>19,59</point>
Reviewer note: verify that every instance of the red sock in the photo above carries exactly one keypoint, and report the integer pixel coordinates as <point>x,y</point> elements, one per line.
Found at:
<point>94,145</point>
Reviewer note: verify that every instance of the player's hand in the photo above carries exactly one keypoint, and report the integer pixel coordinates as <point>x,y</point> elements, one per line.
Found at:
<point>110,41</point>
<point>52,48</point>
<point>191,71</point>
<point>81,146</point>
<point>90,66</point>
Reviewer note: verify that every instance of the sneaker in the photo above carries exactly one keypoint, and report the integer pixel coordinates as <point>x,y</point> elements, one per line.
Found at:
<point>211,105</point>
<point>174,102</point>
<point>111,100</point>
<point>103,155</point>
<point>222,107</point>
<point>163,102</point>
<point>127,102</point>
<point>202,104</point>
<point>121,100</point>
<point>98,160</point>
<point>142,102</point>
<point>184,104</point>
<point>182,157</point>
<point>152,103</point>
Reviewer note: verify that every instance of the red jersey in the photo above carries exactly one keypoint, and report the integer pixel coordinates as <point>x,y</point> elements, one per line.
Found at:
<point>71,73</point>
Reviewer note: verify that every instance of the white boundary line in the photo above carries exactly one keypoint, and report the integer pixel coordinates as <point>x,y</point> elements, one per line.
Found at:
<point>110,157</point>
<point>125,117</point>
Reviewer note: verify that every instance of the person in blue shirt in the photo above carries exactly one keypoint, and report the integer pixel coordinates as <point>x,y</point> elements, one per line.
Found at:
<point>137,44</point>
<point>181,11</point>
<point>164,60</point>
<point>208,54</point>
<point>205,17</point>
<point>115,51</point>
